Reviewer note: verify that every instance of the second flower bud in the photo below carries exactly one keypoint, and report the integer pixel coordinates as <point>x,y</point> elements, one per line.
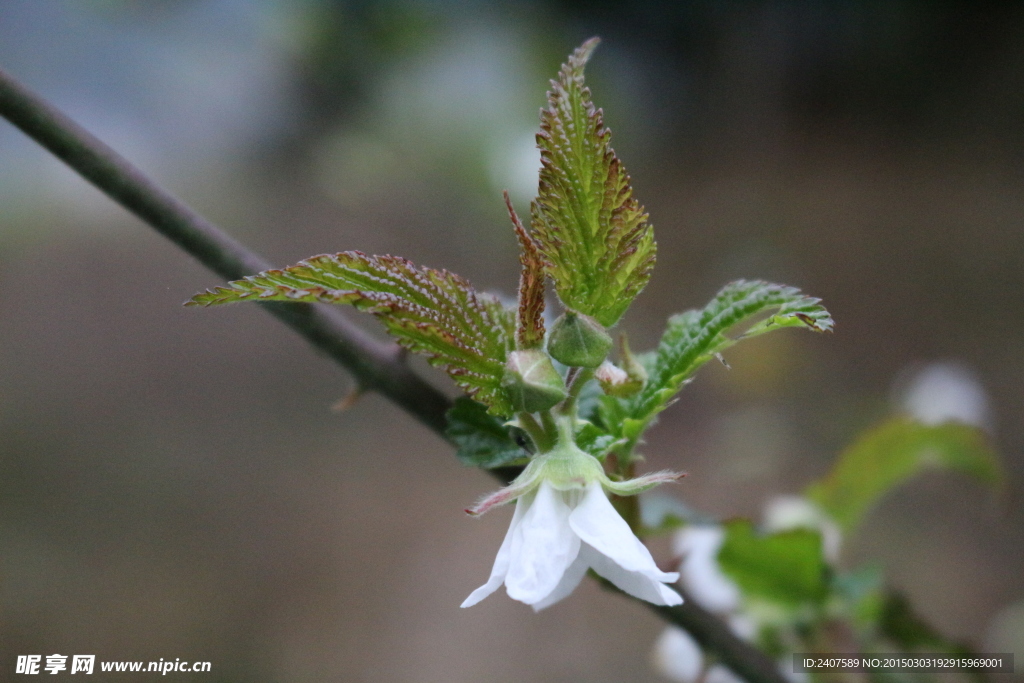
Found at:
<point>578,340</point>
<point>531,382</point>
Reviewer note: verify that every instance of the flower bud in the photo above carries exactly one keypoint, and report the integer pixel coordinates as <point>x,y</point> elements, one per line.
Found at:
<point>616,382</point>
<point>531,381</point>
<point>578,340</point>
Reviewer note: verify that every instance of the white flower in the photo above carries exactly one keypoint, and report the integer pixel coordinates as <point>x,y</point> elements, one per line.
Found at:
<point>783,513</point>
<point>557,534</point>
<point>945,391</point>
<point>698,545</point>
<point>677,656</point>
<point>720,674</point>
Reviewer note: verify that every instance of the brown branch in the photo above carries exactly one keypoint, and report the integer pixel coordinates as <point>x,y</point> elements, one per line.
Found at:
<point>376,366</point>
<point>716,637</point>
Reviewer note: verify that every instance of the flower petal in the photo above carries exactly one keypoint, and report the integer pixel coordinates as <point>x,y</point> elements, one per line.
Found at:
<point>547,548</point>
<point>702,576</point>
<point>501,561</point>
<point>570,580</point>
<point>638,584</point>
<point>598,524</point>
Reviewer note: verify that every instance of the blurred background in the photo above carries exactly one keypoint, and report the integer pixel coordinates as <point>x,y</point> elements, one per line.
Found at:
<point>173,482</point>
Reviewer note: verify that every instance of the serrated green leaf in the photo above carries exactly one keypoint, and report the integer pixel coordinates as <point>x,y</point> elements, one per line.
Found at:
<point>432,312</point>
<point>598,246</point>
<point>786,567</point>
<point>895,451</point>
<point>482,439</point>
<point>694,337</point>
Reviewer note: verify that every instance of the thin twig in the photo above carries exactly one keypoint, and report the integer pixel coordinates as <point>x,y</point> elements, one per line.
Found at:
<point>376,366</point>
<point>714,636</point>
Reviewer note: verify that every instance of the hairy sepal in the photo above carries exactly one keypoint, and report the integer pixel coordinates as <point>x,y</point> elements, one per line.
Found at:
<point>595,238</point>
<point>431,312</point>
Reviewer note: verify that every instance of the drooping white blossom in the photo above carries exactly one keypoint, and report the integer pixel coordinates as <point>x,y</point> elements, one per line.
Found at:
<point>564,525</point>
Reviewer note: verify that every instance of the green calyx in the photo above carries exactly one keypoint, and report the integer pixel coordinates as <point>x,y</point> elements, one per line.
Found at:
<point>531,382</point>
<point>578,340</point>
<point>561,462</point>
<point>566,466</point>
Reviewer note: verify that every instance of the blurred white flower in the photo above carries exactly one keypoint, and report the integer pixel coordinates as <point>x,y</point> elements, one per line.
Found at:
<point>677,656</point>
<point>556,535</point>
<point>742,625</point>
<point>720,674</point>
<point>782,513</point>
<point>944,391</point>
<point>700,574</point>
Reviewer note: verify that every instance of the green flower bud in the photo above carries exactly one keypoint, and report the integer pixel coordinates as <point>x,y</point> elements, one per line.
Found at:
<point>531,382</point>
<point>578,340</point>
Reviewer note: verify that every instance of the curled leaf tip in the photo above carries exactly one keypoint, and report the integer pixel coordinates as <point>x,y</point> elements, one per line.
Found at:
<point>530,321</point>
<point>813,324</point>
<point>581,55</point>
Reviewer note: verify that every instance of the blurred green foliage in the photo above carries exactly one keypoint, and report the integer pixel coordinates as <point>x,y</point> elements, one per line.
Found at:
<point>887,455</point>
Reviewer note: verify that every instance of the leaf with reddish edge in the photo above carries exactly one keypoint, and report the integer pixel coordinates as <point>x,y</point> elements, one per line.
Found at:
<point>596,241</point>
<point>530,325</point>
<point>432,312</point>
